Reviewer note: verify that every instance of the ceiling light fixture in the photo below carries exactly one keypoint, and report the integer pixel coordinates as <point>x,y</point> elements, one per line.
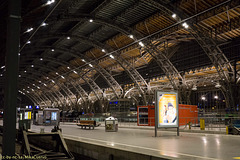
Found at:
<point>29,29</point>
<point>111,56</point>
<point>174,15</point>
<point>43,24</point>
<point>141,44</point>
<point>50,2</point>
<point>131,36</point>
<point>91,20</point>
<point>203,98</point>
<point>68,38</point>
<point>185,25</point>
<point>52,50</point>
<point>90,65</point>
<point>103,50</point>
<point>28,42</point>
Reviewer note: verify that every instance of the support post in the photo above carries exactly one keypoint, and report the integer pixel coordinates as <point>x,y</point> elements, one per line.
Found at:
<point>10,92</point>
<point>156,114</point>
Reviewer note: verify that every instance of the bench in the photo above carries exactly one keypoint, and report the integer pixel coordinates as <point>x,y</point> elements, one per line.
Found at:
<point>87,123</point>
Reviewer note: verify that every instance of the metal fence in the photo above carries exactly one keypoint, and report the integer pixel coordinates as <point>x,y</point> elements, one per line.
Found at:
<point>211,123</point>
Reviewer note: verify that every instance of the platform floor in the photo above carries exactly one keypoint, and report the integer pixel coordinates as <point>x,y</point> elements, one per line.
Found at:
<point>167,144</point>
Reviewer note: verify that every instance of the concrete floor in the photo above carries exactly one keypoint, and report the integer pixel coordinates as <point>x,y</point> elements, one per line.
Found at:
<point>167,144</point>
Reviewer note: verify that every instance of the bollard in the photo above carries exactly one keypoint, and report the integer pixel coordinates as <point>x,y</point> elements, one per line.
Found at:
<point>226,129</point>
<point>189,124</point>
<point>202,124</point>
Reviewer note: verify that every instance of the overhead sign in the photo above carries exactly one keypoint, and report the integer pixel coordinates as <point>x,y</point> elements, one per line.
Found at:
<point>167,109</point>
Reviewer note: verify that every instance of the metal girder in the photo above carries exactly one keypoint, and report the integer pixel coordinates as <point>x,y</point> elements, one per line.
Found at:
<point>79,89</point>
<point>168,64</point>
<point>40,99</point>
<point>34,99</point>
<point>67,91</point>
<point>62,86</point>
<point>49,59</point>
<point>95,88</point>
<point>54,97</point>
<point>105,74</point>
<point>37,98</point>
<point>42,95</point>
<point>134,75</point>
<point>46,98</point>
<point>120,27</point>
<point>159,5</point>
<point>58,94</point>
<point>127,30</point>
<point>114,85</point>
<point>110,80</point>
<point>101,6</point>
<point>217,57</point>
<point>205,41</point>
<point>161,59</point>
<point>88,80</point>
<point>164,63</point>
<point>132,72</point>
<point>114,24</point>
<point>80,38</point>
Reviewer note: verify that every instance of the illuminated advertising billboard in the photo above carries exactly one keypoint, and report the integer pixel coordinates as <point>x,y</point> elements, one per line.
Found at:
<point>167,109</point>
<point>54,116</point>
<point>27,115</point>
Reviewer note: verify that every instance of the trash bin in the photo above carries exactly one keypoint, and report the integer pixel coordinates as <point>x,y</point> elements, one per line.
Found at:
<point>111,124</point>
<point>24,124</point>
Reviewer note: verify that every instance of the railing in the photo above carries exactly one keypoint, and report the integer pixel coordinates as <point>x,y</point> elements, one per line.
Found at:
<point>211,123</point>
<point>66,119</point>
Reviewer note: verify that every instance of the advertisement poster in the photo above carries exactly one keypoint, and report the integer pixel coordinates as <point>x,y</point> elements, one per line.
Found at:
<point>54,116</point>
<point>27,115</point>
<point>167,109</point>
